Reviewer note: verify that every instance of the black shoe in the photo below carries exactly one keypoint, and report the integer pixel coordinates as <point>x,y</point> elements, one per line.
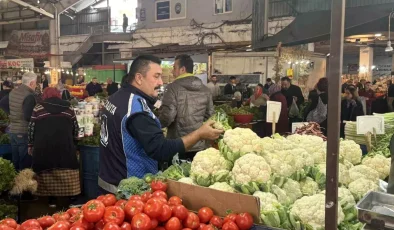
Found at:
<point>52,202</point>
<point>77,201</point>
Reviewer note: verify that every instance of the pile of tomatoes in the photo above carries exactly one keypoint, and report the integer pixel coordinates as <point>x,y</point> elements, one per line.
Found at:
<point>148,211</point>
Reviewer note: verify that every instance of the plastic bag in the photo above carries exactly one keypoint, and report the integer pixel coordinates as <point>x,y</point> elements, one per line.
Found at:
<point>319,114</point>
<point>294,111</point>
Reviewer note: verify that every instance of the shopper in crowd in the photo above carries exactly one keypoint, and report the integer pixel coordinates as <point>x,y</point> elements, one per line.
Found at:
<point>361,84</point>
<point>22,101</point>
<point>94,87</point>
<point>317,111</point>
<point>44,82</point>
<point>351,107</point>
<point>275,94</point>
<point>291,92</point>
<point>64,93</point>
<point>390,95</point>
<point>112,87</point>
<point>125,23</point>
<point>369,96</point>
<point>7,87</point>
<point>52,130</point>
<point>5,96</point>
<point>257,98</point>
<point>346,84</point>
<point>132,142</point>
<point>186,104</point>
<point>213,86</point>
<point>230,88</point>
<point>236,101</point>
<point>268,83</point>
<point>81,80</point>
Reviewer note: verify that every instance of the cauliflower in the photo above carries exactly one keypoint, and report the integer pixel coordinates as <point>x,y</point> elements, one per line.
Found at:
<point>281,195</point>
<point>251,168</point>
<point>186,180</point>
<point>310,210</point>
<point>267,200</point>
<point>222,186</point>
<point>362,186</point>
<point>237,142</point>
<point>292,189</point>
<point>362,171</point>
<point>379,163</point>
<point>206,164</point>
<point>314,145</point>
<point>347,202</point>
<point>351,151</point>
<point>273,214</point>
<point>319,174</point>
<point>309,187</point>
<point>269,145</point>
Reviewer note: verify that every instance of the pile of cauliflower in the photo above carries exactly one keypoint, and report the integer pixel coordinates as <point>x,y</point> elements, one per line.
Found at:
<point>287,175</point>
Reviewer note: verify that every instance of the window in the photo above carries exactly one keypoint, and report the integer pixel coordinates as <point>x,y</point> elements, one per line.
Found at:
<point>162,10</point>
<point>223,6</point>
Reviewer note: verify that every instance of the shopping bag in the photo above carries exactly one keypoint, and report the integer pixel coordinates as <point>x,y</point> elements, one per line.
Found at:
<point>294,111</point>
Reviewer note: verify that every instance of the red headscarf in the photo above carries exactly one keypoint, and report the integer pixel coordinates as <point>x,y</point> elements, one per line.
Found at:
<point>50,92</point>
<point>258,92</point>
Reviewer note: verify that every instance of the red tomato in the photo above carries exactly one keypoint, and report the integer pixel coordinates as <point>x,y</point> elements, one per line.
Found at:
<point>146,196</point>
<point>230,217</point>
<point>174,200</point>
<point>121,203</point>
<point>153,210</point>
<point>109,200</point>
<point>158,185</point>
<point>111,226</point>
<point>186,229</point>
<point>209,227</point>
<point>154,223</point>
<point>60,225</point>
<point>192,221</point>
<point>73,211</point>
<point>100,198</point>
<point>135,197</point>
<point>114,214</point>
<point>46,221</point>
<point>160,194</point>
<point>99,225</point>
<point>132,208</point>
<point>244,221</point>
<point>61,216</point>
<point>173,224</point>
<point>141,221</point>
<point>35,228</point>
<point>30,223</point>
<point>201,226</point>
<point>230,225</point>
<point>205,214</point>
<point>159,200</point>
<point>77,228</point>
<point>81,222</point>
<point>165,214</point>
<point>9,222</point>
<point>180,212</point>
<point>5,227</point>
<point>216,221</point>
<point>160,228</point>
<point>93,211</point>
<point>125,226</point>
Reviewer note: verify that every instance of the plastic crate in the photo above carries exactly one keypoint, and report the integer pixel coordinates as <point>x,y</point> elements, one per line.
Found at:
<point>89,157</point>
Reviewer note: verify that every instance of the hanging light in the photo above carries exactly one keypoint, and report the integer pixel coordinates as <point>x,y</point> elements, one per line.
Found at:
<point>59,70</point>
<point>289,63</point>
<point>84,74</point>
<point>67,72</point>
<point>307,62</point>
<point>76,74</point>
<point>296,63</point>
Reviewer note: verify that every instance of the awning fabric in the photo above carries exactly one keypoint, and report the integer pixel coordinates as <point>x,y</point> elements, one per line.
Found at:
<point>315,26</point>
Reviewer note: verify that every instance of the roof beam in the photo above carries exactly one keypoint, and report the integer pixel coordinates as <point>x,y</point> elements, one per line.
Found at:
<point>5,22</point>
<point>33,8</point>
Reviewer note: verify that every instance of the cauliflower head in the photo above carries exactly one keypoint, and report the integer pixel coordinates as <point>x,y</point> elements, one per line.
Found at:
<point>222,186</point>
<point>379,163</point>
<point>251,168</point>
<point>205,164</point>
<point>344,177</point>
<point>314,145</point>
<point>268,145</point>
<point>311,210</point>
<point>309,187</point>
<point>237,142</point>
<point>363,171</point>
<point>186,180</point>
<point>267,200</point>
<point>292,189</point>
<point>287,162</point>
<point>351,151</point>
<point>345,198</point>
<point>362,186</point>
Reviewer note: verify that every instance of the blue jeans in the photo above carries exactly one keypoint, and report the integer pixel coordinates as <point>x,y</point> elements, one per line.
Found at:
<point>20,158</point>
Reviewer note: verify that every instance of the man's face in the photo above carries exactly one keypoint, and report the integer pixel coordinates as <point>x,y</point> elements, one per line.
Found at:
<point>363,81</point>
<point>367,86</point>
<point>33,84</point>
<point>234,81</point>
<point>152,81</point>
<point>285,85</point>
<point>94,81</point>
<point>109,81</point>
<point>177,71</point>
<point>214,79</point>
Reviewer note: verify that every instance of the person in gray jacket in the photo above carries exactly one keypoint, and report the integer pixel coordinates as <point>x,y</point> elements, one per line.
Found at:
<point>186,104</point>
<point>22,102</point>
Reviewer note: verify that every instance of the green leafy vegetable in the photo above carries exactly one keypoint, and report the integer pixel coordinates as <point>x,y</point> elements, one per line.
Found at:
<point>4,139</point>
<point>8,211</point>
<point>131,186</point>
<point>7,174</point>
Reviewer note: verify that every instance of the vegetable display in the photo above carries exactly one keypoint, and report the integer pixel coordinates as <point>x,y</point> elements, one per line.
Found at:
<point>8,174</point>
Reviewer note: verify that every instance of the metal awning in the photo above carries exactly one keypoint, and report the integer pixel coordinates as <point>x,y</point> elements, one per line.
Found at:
<point>315,26</point>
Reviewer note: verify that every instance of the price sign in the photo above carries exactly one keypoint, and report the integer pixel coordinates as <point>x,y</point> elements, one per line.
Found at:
<point>367,124</point>
<point>273,108</point>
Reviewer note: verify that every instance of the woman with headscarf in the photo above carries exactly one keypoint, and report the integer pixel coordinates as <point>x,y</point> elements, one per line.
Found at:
<point>282,126</point>
<point>52,131</point>
<point>257,98</point>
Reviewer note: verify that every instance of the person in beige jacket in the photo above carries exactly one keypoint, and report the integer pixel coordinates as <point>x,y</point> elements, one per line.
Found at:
<point>186,104</point>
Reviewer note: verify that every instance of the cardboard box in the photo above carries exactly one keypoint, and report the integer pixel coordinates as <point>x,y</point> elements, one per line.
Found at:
<point>195,197</point>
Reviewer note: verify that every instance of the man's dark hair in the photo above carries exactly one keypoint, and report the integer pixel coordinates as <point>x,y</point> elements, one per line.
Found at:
<point>94,78</point>
<point>141,65</point>
<point>286,79</point>
<point>232,78</point>
<point>269,79</point>
<point>185,61</point>
<point>260,85</point>
<point>214,76</point>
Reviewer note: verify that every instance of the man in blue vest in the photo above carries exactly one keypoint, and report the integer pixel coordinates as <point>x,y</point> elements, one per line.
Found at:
<point>132,142</point>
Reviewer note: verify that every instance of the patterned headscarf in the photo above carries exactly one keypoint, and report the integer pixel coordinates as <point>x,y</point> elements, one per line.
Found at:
<point>50,92</point>
<point>274,88</point>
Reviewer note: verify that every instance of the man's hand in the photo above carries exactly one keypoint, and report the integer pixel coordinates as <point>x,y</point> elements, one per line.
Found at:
<point>207,132</point>
<point>295,98</point>
<point>30,151</point>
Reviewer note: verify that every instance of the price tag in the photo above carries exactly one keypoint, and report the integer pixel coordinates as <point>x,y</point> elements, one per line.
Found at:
<point>296,125</point>
<point>367,124</point>
<point>273,107</point>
